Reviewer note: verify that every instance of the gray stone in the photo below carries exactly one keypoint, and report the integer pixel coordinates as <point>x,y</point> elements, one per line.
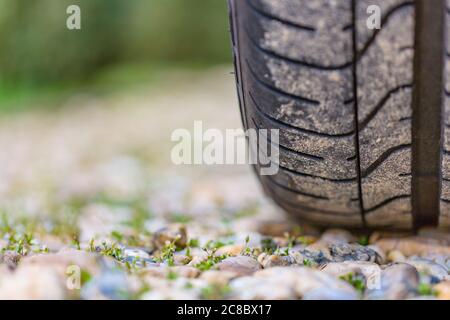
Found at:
<point>337,236</point>
<point>291,283</point>
<point>241,265</point>
<point>354,252</point>
<point>429,268</point>
<point>443,260</point>
<point>217,277</point>
<point>369,270</point>
<point>251,288</point>
<point>398,281</point>
<point>136,253</point>
<point>269,261</point>
<point>313,254</point>
<point>138,257</point>
<point>10,258</point>
<point>110,284</point>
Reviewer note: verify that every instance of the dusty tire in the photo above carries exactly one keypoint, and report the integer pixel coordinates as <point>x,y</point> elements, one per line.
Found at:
<point>364,115</point>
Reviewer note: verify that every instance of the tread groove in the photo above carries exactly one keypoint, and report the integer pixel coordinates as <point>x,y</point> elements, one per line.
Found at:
<point>427,107</point>
<point>386,202</point>
<point>345,65</point>
<point>362,124</point>
<point>382,103</point>
<point>285,124</point>
<point>307,208</point>
<point>298,173</point>
<point>295,190</point>
<point>294,61</point>
<point>277,90</point>
<point>383,157</point>
<point>355,105</point>
<point>267,15</point>
<point>299,153</point>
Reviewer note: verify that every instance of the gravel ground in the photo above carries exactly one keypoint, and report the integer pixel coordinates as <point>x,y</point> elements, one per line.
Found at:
<point>92,208</point>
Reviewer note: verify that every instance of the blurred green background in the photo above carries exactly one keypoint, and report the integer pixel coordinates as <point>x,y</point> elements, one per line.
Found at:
<point>120,41</point>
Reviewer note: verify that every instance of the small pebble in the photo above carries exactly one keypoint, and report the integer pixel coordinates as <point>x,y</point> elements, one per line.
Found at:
<point>241,265</point>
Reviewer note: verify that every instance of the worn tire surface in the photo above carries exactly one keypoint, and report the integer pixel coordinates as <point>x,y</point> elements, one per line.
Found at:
<point>363,115</point>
